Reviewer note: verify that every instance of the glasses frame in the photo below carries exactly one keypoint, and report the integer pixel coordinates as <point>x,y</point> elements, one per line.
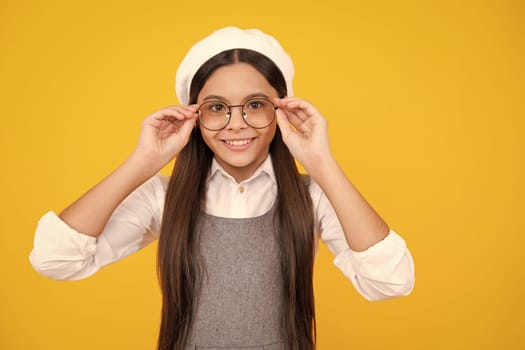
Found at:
<point>243,114</point>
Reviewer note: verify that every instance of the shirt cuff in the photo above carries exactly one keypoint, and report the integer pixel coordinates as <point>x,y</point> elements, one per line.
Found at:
<point>385,270</point>
<point>59,251</point>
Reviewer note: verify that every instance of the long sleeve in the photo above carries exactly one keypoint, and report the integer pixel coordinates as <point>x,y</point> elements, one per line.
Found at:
<point>383,271</point>
<point>61,253</point>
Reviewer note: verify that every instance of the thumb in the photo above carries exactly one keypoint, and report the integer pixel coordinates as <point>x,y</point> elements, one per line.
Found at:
<point>284,125</point>
<point>187,127</point>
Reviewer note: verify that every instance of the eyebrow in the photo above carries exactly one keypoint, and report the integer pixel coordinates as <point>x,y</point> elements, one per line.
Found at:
<point>221,98</point>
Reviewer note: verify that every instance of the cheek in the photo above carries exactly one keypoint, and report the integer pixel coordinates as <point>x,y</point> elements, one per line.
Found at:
<point>269,134</point>
<point>207,136</point>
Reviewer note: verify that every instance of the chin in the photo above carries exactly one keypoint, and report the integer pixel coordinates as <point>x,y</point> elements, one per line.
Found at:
<point>239,163</point>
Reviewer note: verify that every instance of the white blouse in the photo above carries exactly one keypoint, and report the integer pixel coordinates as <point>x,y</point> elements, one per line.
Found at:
<point>383,271</point>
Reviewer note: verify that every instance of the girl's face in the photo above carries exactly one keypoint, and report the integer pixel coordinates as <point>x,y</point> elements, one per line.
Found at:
<point>238,148</point>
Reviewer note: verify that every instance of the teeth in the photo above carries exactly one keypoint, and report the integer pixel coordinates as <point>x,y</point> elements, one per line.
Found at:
<point>237,142</point>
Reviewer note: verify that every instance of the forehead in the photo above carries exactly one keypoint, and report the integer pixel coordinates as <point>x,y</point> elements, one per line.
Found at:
<point>236,81</point>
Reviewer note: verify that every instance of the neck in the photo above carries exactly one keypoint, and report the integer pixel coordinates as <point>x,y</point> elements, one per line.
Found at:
<point>241,173</point>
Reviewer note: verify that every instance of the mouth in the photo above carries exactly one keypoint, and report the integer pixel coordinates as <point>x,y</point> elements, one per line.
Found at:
<point>238,144</point>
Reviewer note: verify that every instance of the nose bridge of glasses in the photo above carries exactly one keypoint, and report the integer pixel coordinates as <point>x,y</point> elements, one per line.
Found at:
<point>234,122</point>
<point>231,108</point>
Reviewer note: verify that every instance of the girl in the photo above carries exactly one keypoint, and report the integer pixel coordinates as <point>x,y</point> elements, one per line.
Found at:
<point>236,222</point>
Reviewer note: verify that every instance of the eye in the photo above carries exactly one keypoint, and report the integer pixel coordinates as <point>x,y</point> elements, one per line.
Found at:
<point>216,107</point>
<point>255,104</point>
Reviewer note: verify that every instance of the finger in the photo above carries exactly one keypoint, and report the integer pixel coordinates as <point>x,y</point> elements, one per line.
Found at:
<point>189,110</point>
<point>166,127</point>
<point>293,118</point>
<point>186,111</point>
<point>282,102</point>
<point>279,101</point>
<point>175,112</point>
<point>164,124</point>
<point>284,125</point>
<point>177,129</point>
<point>186,128</point>
<point>301,104</point>
<point>300,112</point>
<point>171,114</point>
<point>186,107</point>
<point>286,100</point>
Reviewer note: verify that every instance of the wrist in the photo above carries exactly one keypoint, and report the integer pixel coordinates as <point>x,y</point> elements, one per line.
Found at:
<point>143,165</point>
<point>323,167</point>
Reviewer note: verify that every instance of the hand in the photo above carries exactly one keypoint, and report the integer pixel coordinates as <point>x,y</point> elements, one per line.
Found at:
<point>165,133</point>
<point>304,131</point>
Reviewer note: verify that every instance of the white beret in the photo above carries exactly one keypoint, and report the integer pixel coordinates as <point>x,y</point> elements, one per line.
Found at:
<point>226,39</point>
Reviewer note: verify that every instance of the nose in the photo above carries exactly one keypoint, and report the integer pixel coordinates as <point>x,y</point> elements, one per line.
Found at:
<point>236,118</point>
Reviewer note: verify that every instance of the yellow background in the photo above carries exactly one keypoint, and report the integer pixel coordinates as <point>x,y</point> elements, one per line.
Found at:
<point>425,103</point>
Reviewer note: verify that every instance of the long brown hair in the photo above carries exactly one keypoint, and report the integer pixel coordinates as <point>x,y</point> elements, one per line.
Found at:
<point>178,262</point>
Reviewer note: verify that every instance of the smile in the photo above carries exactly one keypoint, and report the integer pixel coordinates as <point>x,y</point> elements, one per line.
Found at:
<point>238,142</point>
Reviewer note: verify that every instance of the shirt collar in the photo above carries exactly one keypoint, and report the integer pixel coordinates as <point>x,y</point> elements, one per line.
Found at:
<point>266,169</point>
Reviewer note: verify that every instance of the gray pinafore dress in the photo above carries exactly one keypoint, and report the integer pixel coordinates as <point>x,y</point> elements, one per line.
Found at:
<point>240,301</point>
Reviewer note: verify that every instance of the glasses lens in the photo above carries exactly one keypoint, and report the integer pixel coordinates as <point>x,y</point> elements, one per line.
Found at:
<point>259,112</point>
<point>213,115</point>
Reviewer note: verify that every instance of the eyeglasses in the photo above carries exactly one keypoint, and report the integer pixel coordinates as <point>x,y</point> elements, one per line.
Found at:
<point>258,113</point>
